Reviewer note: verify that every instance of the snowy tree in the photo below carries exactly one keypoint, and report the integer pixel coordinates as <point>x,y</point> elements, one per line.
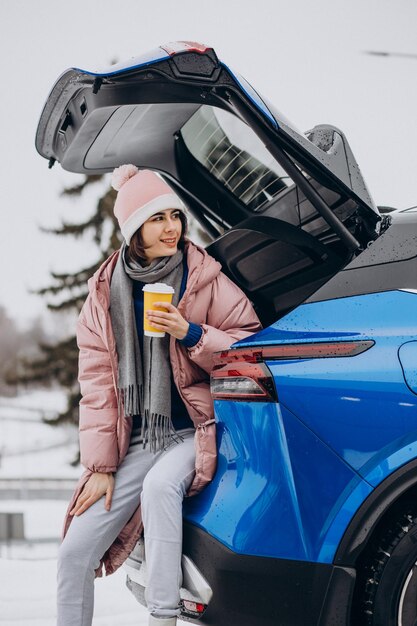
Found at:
<point>10,342</point>
<point>16,346</point>
<point>58,360</point>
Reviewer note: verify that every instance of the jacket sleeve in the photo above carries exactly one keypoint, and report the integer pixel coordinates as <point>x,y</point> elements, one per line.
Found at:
<point>230,317</point>
<point>98,405</point>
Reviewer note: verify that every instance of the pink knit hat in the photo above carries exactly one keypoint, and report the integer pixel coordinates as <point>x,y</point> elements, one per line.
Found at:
<point>141,194</point>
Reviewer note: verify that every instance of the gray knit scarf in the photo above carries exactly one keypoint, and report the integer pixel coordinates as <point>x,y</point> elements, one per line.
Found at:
<point>144,379</point>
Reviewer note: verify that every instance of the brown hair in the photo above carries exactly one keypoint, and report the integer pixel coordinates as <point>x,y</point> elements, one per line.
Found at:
<point>136,249</point>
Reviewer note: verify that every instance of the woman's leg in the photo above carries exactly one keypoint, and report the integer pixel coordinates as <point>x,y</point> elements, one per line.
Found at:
<point>164,488</point>
<point>91,534</point>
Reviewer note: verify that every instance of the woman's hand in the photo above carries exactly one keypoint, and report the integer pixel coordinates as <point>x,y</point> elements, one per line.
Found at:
<point>171,321</point>
<point>96,486</point>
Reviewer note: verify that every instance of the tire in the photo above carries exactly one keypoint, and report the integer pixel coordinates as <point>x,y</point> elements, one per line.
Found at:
<point>386,590</point>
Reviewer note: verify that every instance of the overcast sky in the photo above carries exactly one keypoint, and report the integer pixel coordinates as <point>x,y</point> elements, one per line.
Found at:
<point>306,57</point>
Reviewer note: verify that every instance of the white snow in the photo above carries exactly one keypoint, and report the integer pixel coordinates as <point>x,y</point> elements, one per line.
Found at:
<point>28,582</point>
<point>27,597</point>
<point>28,579</point>
<point>27,570</point>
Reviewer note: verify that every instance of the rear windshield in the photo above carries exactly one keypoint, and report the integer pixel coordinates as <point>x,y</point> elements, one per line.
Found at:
<point>232,153</point>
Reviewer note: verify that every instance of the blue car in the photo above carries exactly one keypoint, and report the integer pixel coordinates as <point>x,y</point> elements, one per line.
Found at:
<point>311,518</point>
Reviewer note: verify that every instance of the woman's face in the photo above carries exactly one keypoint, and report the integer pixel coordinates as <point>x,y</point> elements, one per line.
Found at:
<point>161,233</point>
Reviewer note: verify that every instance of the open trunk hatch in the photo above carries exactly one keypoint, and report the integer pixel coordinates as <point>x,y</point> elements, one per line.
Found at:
<point>247,174</point>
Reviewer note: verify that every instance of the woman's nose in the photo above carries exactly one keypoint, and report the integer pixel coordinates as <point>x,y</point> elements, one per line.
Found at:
<point>170,225</point>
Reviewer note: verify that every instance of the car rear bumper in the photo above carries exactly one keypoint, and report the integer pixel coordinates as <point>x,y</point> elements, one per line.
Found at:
<point>261,591</point>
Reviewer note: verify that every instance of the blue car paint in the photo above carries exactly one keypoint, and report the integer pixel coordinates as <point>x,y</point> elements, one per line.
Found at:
<point>408,359</point>
<point>332,435</point>
<point>377,473</point>
<point>349,403</point>
<point>252,94</point>
<point>341,521</point>
<point>152,56</point>
<point>330,319</point>
<point>277,486</point>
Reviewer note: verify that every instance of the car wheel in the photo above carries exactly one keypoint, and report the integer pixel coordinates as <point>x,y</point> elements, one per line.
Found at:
<point>386,591</point>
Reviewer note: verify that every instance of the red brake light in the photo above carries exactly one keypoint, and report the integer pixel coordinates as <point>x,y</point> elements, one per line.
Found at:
<point>243,381</point>
<point>184,46</point>
<point>192,608</point>
<point>241,374</point>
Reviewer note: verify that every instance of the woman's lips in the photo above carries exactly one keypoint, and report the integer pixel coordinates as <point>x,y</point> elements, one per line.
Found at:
<point>169,242</point>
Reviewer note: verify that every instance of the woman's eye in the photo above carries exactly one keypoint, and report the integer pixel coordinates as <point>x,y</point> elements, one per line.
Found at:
<point>158,218</point>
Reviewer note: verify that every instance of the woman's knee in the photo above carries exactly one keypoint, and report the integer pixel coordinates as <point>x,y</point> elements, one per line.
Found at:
<point>76,557</point>
<point>69,555</point>
<point>157,486</point>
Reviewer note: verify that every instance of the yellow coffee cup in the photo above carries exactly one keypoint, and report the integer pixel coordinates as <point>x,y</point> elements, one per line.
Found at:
<point>155,292</point>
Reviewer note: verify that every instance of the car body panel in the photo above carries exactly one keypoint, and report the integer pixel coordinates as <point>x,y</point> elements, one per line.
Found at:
<point>408,359</point>
<point>159,54</point>
<point>389,263</point>
<point>381,469</point>
<point>332,396</point>
<point>264,500</point>
<point>263,591</point>
<point>334,414</point>
<point>83,102</point>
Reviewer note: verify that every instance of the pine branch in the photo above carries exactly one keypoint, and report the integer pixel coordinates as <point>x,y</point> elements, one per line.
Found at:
<point>69,281</point>
<point>66,228</point>
<point>77,190</point>
<point>76,460</point>
<point>58,363</point>
<point>72,303</point>
<point>76,230</point>
<point>96,222</point>
<point>106,203</point>
<point>70,415</point>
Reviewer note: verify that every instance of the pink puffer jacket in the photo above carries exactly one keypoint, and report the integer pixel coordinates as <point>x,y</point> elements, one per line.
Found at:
<point>211,300</point>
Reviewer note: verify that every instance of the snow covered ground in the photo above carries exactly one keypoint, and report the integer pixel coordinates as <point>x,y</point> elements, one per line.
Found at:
<point>28,576</point>
<point>27,597</point>
<point>30,448</point>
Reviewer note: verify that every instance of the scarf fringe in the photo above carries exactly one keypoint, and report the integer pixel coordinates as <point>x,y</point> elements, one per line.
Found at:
<point>158,430</point>
<point>131,397</point>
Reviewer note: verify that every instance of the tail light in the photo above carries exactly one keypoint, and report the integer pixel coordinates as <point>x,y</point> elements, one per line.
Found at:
<point>174,47</point>
<point>243,381</point>
<point>241,374</point>
<point>191,608</point>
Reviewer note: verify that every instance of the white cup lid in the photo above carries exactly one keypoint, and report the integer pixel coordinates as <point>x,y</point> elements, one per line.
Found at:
<point>158,288</point>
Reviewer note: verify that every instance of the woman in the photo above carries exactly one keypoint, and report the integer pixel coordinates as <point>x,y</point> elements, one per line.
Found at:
<point>143,397</point>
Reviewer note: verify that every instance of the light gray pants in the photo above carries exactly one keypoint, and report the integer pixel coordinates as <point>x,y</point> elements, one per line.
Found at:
<point>159,481</point>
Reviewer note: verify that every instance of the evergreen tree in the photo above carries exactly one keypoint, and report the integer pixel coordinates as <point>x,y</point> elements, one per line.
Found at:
<point>58,362</point>
<point>10,344</point>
